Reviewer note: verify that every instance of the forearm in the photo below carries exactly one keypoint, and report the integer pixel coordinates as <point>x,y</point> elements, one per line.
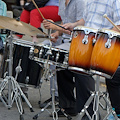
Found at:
<point>79,22</point>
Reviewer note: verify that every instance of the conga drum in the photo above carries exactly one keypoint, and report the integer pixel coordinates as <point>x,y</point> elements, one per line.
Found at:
<point>105,57</point>
<point>81,49</point>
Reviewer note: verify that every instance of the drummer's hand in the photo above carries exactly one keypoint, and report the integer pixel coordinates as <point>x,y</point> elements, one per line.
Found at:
<point>48,25</point>
<point>68,26</point>
<point>54,36</point>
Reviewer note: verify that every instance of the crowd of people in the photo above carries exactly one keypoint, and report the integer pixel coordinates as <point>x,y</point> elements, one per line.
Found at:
<point>73,13</point>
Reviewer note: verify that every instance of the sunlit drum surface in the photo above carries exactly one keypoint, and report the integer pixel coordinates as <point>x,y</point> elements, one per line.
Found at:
<point>81,48</point>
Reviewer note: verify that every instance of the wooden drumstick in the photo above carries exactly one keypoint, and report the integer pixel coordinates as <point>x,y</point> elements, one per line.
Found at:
<point>38,9</point>
<point>105,16</point>
<point>47,19</point>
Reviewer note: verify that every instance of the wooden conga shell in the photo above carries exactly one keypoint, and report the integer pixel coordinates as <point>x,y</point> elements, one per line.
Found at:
<point>80,53</point>
<point>105,59</point>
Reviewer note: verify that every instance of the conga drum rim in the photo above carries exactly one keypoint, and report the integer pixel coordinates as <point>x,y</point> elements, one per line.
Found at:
<point>85,28</point>
<point>111,33</point>
<point>80,70</point>
<point>95,72</point>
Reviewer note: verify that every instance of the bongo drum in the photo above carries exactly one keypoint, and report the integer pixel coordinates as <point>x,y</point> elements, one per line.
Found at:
<point>81,49</point>
<point>105,57</point>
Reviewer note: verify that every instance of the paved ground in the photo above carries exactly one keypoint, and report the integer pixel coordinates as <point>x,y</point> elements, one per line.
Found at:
<point>34,97</point>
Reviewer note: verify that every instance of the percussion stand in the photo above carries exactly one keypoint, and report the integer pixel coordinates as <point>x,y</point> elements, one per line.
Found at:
<point>95,98</point>
<point>14,90</point>
<point>51,74</point>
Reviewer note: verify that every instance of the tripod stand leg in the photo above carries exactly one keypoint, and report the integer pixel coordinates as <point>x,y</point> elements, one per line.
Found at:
<point>84,110</point>
<point>18,103</point>
<point>42,110</point>
<point>25,98</point>
<point>2,96</point>
<point>95,107</point>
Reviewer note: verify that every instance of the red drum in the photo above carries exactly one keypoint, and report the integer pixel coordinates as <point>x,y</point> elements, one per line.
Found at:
<point>105,57</point>
<point>81,49</point>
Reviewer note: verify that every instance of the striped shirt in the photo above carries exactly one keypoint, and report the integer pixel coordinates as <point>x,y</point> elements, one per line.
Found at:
<point>95,9</point>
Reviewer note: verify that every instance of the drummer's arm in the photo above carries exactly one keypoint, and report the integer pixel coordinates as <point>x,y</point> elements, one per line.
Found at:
<point>115,29</point>
<point>70,26</point>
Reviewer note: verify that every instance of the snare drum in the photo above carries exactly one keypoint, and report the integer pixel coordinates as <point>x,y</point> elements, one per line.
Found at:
<point>31,71</point>
<point>54,56</point>
<point>105,57</point>
<point>81,48</point>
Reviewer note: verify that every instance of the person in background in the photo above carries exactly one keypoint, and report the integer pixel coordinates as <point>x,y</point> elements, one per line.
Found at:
<point>49,9</point>
<point>18,8</point>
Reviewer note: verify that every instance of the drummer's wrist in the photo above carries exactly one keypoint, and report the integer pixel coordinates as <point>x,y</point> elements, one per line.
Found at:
<point>59,33</point>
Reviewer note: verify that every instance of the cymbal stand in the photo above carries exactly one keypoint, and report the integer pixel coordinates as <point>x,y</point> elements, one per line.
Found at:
<point>95,98</point>
<point>14,90</point>
<point>7,81</point>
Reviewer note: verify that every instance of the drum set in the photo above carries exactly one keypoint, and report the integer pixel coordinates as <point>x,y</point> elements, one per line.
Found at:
<point>92,52</point>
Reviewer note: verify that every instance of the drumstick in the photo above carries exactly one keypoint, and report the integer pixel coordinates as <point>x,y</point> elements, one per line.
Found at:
<point>47,19</point>
<point>38,9</point>
<point>105,16</point>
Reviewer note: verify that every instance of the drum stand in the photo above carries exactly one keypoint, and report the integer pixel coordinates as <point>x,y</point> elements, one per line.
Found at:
<point>47,75</point>
<point>95,98</point>
<point>14,90</point>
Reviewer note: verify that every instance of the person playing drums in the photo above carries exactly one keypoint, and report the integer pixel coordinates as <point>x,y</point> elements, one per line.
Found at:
<point>93,17</point>
<point>66,79</point>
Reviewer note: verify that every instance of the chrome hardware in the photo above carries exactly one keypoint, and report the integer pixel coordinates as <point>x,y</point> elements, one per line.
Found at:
<point>85,40</point>
<point>31,52</point>
<point>108,43</point>
<point>40,53</point>
<point>65,62</point>
<point>57,56</point>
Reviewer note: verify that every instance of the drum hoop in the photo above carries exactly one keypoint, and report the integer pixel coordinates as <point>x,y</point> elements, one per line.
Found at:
<point>21,44</point>
<point>52,48</point>
<point>23,41</point>
<point>111,33</point>
<point>101,74</point>
<point>85,29</point>
<point>80,70</point>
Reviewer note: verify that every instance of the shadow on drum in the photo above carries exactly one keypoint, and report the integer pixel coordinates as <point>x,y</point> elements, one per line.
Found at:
<point>83,39</point>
